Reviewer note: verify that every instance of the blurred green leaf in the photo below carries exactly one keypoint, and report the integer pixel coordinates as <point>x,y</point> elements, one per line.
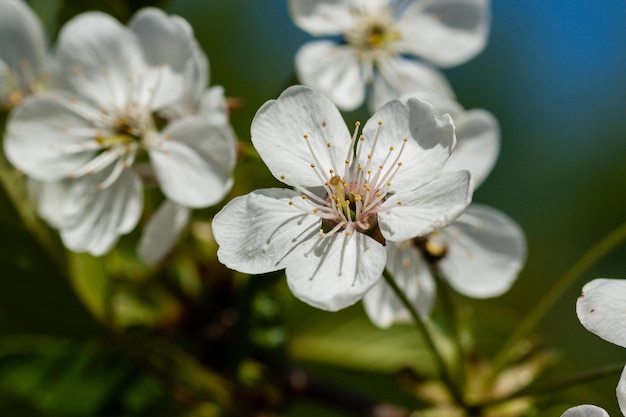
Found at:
<point>347,338</point>
<point>64,378</point>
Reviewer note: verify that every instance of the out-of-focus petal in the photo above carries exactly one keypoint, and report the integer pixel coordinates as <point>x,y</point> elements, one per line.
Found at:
<point>162,231</point>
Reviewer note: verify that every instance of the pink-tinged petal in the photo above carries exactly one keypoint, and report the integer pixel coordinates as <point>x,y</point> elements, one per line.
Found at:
<point>278,134</point>
<point>601,308</point>
<point>49,136</point>
<point>22,41</point>
<point>586,410</point>
<point>95,218</point>
<point>257,232</point>
<point>97,58</point>
<point>396,76</point>
<point>335,272</point>
<point>323,17</point>
<point>193,161</point>
<point>478,144</point>
<point>446,32</point>
<point>404,216</point>
<point>429,142</point>
<point>621,392</point>
<point>411,273</point>
<point>486,251</point>
<point>162,231</point>
<point>334,70</point>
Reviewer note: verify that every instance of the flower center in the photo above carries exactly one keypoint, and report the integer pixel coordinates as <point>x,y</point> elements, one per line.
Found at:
<point>431,248</point>
<point>373,32</point>
<point>354,199</point>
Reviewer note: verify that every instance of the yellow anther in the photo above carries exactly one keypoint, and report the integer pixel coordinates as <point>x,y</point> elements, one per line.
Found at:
<point>321,234</point>
<point>399,164</point>
<point>291,203</point>
<point>357,124</point>
<point>391,148</point>
<point>369,156</point>
<point>306,136</point>
<point>380,123</point>
<point>303,197</point>
<point>323,124</point>
<point>362,138</point>
<point>347,161</point>
<point>380,167</point>
<point>328,145</point>
<point>332,171</point>
<point>378,195</point>
<point>312,165</point>
<point>389,184</point>
<point>360,167</point>
<point>315,211</point>
<point>399,203</point>
<point>405,140</point>
<point>282,177</point>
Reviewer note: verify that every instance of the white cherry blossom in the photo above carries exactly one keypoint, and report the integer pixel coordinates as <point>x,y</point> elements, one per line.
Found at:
<point>379,40</point>
<point>588,410</point>
<point>24,62</point>
<point>480,254</point>
<point>351,194</point>
<point>92,131</point>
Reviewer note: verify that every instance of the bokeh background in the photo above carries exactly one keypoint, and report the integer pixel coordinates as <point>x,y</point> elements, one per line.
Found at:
<point>553,74</point>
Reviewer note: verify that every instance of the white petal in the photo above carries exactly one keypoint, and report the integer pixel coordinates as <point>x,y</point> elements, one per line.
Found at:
<point>322,17</point>
<point>193,161</point>
<point>168,47</point>
<point>478,144</point>
<point>213,105</point>
<point>486,251</point>
<point>22,41</point>
<point>44,135</point>
<point>162,231</point>
<point>430,207</point>
<point>278,131</point>
<point>97,57</point>
<point>601,308</point>
<point>334,70</point>
<point>446,32</point>
<point>397,76</point>
<point>335,272</point>
<point>586,410</point>
<point>620,391</point>
<point>257,231</point>
<point>50,197</point>
<point>430,142</point>
<point>94,218</point>
<point>413,276</point>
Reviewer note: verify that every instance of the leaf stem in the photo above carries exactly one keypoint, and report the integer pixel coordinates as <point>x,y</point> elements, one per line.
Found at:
<point>430,342</point>
<point>593,255</point>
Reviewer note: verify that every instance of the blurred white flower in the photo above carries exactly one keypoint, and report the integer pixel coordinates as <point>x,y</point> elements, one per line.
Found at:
<point>379,40</point>
<point>352,194</point>
<point>24,62</point>
<point>595,411</point>
<point>114,79</point>
<point>480,254</point>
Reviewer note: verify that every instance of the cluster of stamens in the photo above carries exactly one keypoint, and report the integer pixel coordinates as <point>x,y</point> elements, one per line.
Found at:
<point>353,199</point>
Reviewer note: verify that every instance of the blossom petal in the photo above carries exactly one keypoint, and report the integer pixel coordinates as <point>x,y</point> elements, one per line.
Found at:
<point>97,57</point>
<point>49,136</point>
<point>404,216</point>
<point>586,410</point>
<point>322,17</point>
<point>335,272</point>
<point>94,218</point>
<point>446,32</point>
<point>258,231</point>
<point>278,131</point>
<point>430,140</point>
<point>478,144</point>
<point>162,231</point>
<point>193,161</point>
<point>486,251</point>
<point>396,76</point>
<point>334,70</point>
<point>601,309</point>
<point>50,197</point>
<point>168,47</point>
<point>413,276</point>
<point>621,392</point>
<point>213,105</point>
<point>22,40</point>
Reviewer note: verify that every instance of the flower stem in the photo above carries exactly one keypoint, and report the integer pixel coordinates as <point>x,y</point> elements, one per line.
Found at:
<point>593,255</point>
<point>570,381</point>
<point>430,342</point>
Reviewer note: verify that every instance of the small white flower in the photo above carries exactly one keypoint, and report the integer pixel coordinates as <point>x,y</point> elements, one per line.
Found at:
<point>23,53</point>
<point>480,254</point>
<point>115,79</point>
<point>352,194</point>
<point>594,411</point>
<point>377,36</point>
